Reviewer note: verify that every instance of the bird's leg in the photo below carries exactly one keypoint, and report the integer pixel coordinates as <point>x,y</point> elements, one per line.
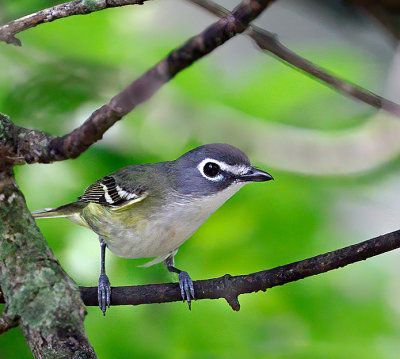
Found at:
<point>104,288</point>
<point>185,282</point>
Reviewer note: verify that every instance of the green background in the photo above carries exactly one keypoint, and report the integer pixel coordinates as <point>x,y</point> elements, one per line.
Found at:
<point>68,68</point>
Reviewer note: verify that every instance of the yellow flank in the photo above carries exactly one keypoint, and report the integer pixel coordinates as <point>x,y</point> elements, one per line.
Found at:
<point>107,221</point>
<point>128,205</point>
<point>94,209</point>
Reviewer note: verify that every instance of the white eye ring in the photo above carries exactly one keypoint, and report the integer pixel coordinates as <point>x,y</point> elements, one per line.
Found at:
<point>233,169</point>
<point>201,165</point>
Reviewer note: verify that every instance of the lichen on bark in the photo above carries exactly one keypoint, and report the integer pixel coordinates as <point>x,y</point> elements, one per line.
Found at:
<point>38,293</point>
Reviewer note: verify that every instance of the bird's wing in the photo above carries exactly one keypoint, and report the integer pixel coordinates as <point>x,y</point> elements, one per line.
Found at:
<point>108,191</point>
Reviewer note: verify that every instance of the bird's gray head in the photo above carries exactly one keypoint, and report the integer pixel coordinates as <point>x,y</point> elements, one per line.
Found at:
<point>210,169</point>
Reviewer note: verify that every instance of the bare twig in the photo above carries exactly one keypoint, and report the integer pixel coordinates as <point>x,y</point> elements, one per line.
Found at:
<point>268,42</point>
<point>36,146</point>
<point>230,287</point>
<point>78,7</point>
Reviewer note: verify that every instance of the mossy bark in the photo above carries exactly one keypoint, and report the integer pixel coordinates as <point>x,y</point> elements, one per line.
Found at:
<point>38,293</point>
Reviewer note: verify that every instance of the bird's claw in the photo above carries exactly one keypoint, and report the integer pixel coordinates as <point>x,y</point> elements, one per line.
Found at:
<point>187,289</point>
<point>104,293</point>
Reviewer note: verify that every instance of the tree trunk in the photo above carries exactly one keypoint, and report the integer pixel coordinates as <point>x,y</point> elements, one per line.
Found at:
<point>39,294</point>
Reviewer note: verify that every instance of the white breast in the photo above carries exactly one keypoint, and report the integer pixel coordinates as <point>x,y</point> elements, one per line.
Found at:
<point>163,233</point>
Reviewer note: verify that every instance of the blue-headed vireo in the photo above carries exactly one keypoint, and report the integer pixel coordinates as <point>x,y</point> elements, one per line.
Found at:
<point>149,210</point>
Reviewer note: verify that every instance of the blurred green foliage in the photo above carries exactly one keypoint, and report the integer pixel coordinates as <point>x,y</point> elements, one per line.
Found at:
<point>68,68</point>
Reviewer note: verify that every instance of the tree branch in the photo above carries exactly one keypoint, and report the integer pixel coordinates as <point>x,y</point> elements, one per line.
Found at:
<point>35,146</point>
<point>269,42</point>
<point>230,287</point>
<point>78,7</point>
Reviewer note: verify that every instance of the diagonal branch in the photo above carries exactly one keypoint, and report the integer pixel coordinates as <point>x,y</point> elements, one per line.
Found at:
<point>230,287</point>
<point>269,42</point>
<point>78,7</point>
<point>36,146</point>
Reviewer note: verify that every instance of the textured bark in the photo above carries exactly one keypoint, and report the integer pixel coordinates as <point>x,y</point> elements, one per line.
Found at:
<point>39,294</point>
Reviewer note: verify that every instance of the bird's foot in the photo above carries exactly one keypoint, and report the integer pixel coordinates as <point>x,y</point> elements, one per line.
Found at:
<point>186,285</point>
<point>104,293</point>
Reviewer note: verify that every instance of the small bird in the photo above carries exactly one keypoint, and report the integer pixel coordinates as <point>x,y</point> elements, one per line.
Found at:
<point>149,210</point>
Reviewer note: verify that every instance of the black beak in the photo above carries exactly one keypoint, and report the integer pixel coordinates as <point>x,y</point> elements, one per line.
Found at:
<point>255,175</point>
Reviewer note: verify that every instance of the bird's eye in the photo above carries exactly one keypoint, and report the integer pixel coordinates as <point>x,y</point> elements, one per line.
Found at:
<point>211,169</point>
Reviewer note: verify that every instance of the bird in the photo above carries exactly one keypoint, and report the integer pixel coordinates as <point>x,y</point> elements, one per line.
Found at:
<point>150,210</point>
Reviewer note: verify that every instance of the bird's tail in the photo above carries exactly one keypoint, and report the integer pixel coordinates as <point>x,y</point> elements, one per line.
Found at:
<point>67,210</point>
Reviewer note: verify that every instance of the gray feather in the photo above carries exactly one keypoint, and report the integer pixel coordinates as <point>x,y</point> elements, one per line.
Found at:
<point>66,210</point>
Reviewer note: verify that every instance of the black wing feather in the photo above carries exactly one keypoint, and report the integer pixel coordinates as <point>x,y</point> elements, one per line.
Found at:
<point>107,192</point>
